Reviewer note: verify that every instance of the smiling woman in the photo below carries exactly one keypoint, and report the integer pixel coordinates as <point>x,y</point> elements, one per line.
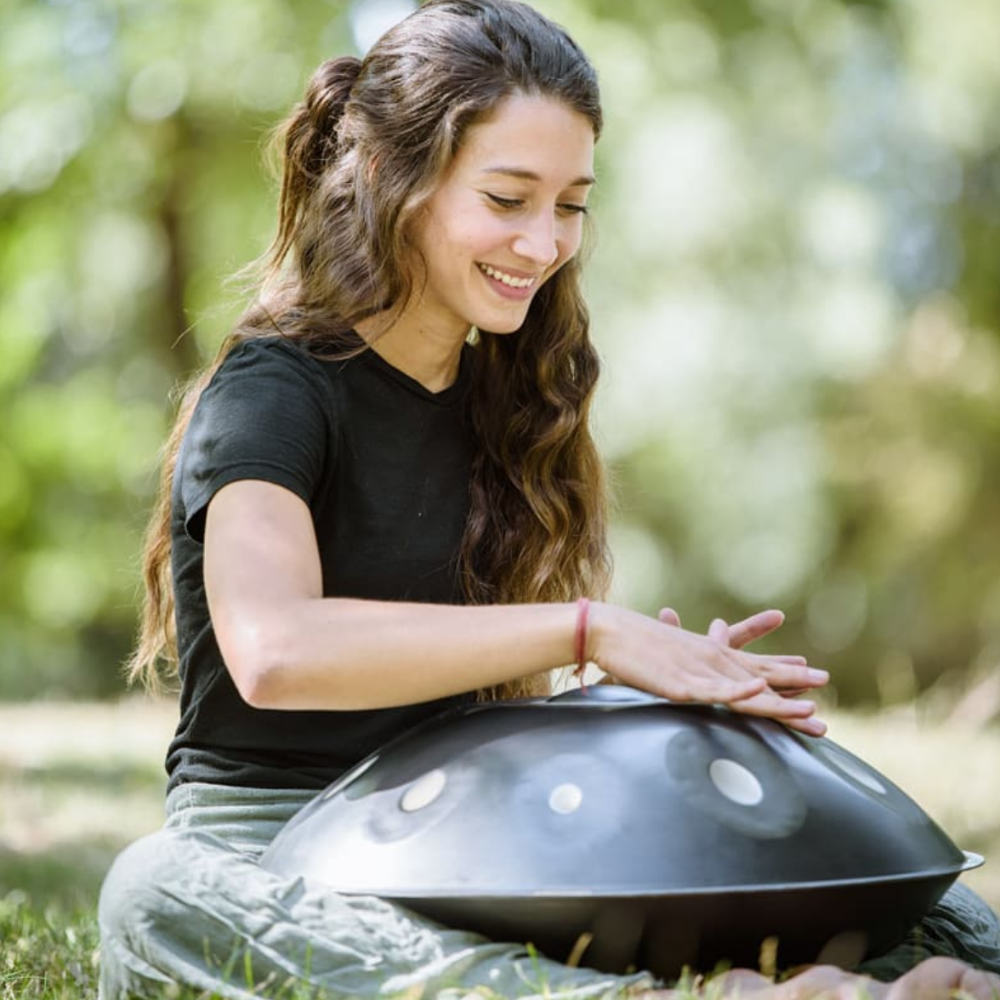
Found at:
<point>383,500</point>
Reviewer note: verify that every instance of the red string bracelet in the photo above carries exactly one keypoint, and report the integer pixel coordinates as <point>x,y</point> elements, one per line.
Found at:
<point>580,641</point>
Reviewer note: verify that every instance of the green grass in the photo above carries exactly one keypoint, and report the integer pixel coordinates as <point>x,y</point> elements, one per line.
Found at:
<point>78,782</point>
<point>48,950</point>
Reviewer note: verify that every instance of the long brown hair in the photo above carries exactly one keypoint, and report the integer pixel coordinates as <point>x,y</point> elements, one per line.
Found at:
<point>362,153</point>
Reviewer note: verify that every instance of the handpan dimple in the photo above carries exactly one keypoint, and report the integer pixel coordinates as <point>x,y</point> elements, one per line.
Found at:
<point>423,791</point>
<point>861,776</point>
<point>735,782</point>
<point>736,779</point>
<point>395,813</point>
<point>567,795</point>
<point>565,798</point>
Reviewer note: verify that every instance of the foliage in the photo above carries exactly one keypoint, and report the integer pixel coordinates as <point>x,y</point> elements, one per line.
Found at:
<point>793,288</point>
<point>130,186</point>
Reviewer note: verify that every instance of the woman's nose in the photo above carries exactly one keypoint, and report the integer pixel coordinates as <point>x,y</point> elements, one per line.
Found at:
<point>537,241</point>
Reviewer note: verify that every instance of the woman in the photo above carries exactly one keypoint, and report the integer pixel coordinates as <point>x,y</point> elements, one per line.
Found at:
<point>366,518</point>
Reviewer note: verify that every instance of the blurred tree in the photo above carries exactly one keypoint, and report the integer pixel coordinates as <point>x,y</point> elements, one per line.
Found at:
<point>793,286</point>
<point>130,186</point>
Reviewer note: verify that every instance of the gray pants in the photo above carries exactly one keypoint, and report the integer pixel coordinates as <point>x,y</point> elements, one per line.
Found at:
<point>189,904</point>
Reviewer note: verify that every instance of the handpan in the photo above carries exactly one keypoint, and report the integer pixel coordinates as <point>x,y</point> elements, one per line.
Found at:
<point>645,833</point>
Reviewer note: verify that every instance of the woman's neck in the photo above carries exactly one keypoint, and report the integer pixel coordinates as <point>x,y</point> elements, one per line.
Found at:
<point>429,356</point>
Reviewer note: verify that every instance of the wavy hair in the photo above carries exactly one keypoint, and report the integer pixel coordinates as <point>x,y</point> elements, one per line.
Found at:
<point>361,155</point>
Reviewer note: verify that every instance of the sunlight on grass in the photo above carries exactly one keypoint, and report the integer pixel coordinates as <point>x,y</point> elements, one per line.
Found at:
<point>71,773</point>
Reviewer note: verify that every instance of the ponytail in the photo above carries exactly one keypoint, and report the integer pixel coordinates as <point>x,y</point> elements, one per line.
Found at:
<point>309,142</point>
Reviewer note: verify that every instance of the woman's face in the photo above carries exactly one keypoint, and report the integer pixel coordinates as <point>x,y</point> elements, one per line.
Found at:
<point>507,215</point>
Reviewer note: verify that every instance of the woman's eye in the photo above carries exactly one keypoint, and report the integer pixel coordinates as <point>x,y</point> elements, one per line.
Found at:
<point>564,208</point>
<point>505,202</point>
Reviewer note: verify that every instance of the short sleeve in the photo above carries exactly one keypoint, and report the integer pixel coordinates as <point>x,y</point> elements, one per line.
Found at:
<point>266,414</point>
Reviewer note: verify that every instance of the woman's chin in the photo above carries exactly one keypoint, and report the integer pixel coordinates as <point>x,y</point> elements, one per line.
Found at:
<point>501,324</point>
<point>502,332</point>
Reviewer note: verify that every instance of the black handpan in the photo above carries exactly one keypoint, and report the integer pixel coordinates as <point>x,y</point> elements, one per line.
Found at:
<point>668,834</point>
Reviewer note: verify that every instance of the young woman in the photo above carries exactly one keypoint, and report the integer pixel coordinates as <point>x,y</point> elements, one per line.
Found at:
<point>382,500</point>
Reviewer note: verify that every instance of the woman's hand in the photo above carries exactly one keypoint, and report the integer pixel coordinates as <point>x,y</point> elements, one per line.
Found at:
<point>743,633</point>
<point>657,655</point>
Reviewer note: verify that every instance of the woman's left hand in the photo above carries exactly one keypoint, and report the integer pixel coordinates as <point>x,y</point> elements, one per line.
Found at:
<point>742,634</point>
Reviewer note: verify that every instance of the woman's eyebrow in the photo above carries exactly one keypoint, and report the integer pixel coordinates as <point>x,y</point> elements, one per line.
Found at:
<point>530,175</point>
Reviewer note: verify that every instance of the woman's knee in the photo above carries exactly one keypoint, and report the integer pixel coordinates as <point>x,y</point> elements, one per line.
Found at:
<point>134,884</point>
<point>149,881</point>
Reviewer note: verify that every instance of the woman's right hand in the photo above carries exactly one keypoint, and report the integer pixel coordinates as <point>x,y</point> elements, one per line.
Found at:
<point>663,659</point>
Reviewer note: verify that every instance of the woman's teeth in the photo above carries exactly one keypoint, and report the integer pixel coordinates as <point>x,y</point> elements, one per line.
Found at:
<point>507,279</point>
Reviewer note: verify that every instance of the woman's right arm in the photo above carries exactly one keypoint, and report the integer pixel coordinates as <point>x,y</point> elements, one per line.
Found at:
<point>289,647</point>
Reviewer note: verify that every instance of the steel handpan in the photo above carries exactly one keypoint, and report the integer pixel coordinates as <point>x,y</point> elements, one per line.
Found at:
<point>670,834</point>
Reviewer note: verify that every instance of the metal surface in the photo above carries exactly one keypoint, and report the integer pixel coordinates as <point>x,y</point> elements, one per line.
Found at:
<point>674,834</point>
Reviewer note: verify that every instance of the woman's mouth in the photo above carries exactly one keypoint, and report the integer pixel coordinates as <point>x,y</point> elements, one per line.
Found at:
<point>510,286</point>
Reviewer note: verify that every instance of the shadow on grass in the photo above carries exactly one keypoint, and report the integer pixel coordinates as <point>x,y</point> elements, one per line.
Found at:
<point>68,876</point>
<point>75,811</point>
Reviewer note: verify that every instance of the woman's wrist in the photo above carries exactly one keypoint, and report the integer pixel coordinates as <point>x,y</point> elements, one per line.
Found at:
<point>580,643</point>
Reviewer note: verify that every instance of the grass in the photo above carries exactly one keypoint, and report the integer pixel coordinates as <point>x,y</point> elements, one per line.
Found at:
<point>77,782</point>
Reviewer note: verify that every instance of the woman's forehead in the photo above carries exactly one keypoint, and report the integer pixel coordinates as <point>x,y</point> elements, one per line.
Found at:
<point>532,138</point>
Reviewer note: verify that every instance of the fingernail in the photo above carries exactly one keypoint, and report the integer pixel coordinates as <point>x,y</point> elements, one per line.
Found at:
<point>818,676</point>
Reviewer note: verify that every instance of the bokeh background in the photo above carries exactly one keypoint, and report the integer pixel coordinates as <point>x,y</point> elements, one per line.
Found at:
<point>793,285</point>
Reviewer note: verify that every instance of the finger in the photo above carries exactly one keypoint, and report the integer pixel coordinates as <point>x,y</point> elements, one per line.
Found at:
<point>810,726</point>
<point>781,674</point>
<point>669,617</point>
<point>798,714</point>
<point>767,704</point>
<point>754,627</point>
<point>718,632</point>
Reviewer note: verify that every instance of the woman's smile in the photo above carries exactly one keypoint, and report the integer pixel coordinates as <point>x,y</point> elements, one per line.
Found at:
<point>510,284</point>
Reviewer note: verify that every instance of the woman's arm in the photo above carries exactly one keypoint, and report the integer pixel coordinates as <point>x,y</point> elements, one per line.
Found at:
<point>288,647</point>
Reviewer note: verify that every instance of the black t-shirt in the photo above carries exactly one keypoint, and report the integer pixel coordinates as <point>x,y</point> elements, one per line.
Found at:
<point>384,466</point>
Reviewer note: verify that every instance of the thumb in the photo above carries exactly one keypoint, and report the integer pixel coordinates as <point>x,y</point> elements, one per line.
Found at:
<point>719,631</point>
